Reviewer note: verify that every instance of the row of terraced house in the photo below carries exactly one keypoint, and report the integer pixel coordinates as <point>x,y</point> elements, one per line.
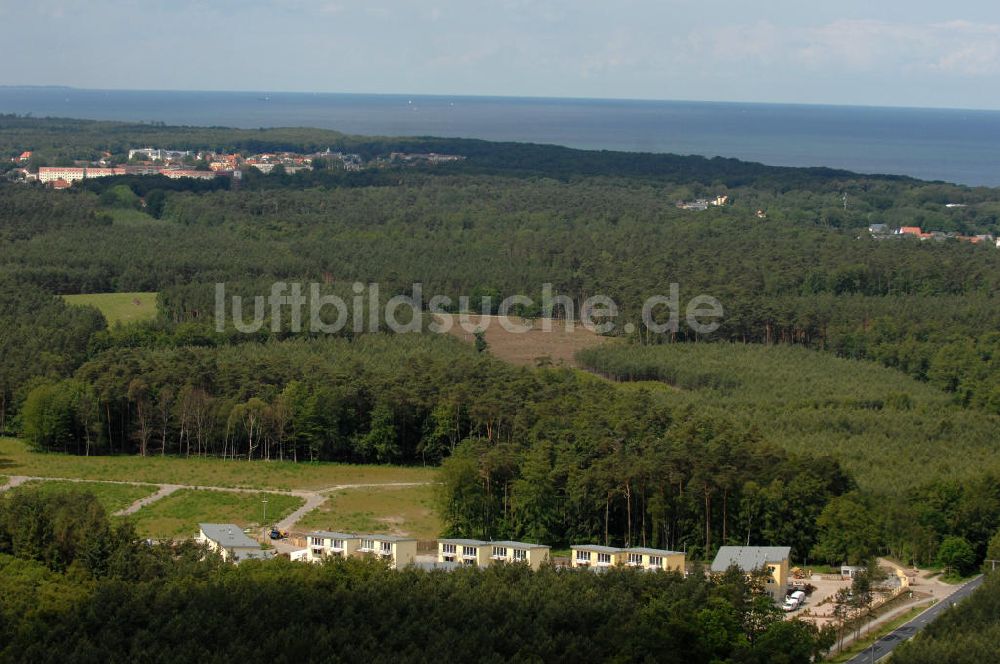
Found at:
<point>400,552</point>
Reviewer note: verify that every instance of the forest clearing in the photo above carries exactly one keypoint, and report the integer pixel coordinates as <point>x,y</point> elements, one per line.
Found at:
<point>536,347</point>
<point>119,307</point>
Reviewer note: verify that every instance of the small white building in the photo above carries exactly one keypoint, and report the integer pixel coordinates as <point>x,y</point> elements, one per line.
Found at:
<point>231,542</point>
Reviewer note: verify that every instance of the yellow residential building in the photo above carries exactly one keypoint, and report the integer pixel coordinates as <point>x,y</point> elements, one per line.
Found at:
<point>399,551</point>
<point>464,552</point>
<point>595,555</point>
<point>326,544</point>
<point>655,559</point>
<point>772,560</point>
<point>535,555</point>
<point>484,554</point>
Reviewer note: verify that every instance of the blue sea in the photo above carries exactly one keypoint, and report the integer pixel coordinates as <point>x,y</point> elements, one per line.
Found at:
<point>952,145</point>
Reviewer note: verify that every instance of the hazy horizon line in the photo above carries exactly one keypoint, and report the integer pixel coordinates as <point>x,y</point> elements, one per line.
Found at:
<point>444,95</point>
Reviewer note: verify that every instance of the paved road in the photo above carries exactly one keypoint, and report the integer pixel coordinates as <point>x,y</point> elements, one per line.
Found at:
<point>887,643</point>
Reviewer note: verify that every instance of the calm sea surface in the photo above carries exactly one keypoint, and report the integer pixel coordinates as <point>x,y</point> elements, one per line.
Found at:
<point>953,145</point>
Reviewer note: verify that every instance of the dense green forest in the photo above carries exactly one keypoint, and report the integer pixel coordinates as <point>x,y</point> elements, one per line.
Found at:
<point>755,443</point>
<point>891,431</point>
<point>928,467</point>
<point>100,593</point>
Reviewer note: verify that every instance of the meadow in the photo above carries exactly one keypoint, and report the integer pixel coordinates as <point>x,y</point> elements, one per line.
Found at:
<point>406,511</point>
<point>178,515</point>
<point>119,307</point>
<point>17,459</point>
<point>113,497</point>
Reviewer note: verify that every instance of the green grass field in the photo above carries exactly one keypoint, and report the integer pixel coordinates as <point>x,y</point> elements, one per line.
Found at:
<point>17,459</point>
<point>113,497</point>
<point>397,510</point>
<point>178,515</point>
<point>119,307</point>
<point>131,218</point>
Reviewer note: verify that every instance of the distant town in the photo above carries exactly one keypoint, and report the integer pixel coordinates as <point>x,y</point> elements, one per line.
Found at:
<point>884,232</point>
<point>206,165</point>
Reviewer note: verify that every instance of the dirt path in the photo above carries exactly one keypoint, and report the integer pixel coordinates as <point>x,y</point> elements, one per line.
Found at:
<point>13,481</point>
<point>312,501</point>
<point>164,491</point>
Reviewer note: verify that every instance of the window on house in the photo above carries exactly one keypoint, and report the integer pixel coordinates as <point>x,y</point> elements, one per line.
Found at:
<point>386,547</point>
<point>583,556</point>
<point>338,544</point>
<point>520,554</point>
<point>656,561</point>
<point>317,541</point>
<point>469,551</point>
<point>500,552</point>
<point>448,548</point>
<point>635,559</point>
<point>604,559</point>
<point>367,544</point>
<point>317,552</point>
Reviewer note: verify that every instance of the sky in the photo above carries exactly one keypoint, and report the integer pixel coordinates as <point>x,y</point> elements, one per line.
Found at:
<point>871,52</point>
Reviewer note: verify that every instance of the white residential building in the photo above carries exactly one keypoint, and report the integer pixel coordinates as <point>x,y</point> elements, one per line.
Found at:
<point>231,542</point>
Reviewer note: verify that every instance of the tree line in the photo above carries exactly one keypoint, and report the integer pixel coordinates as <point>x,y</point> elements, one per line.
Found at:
<point>75,585</point>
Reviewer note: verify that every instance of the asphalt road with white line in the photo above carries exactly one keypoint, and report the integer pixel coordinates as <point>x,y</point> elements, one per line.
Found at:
<point>887,643</point>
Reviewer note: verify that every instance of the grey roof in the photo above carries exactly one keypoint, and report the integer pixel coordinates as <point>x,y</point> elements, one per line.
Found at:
<point>749,558</point>
<point>652,552</point>
<point>598,548</point>
<point>463,542</point>
<point>386,538</point>
<point>520,545</point>
<point>227,535</point>
<point>332,535</point>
